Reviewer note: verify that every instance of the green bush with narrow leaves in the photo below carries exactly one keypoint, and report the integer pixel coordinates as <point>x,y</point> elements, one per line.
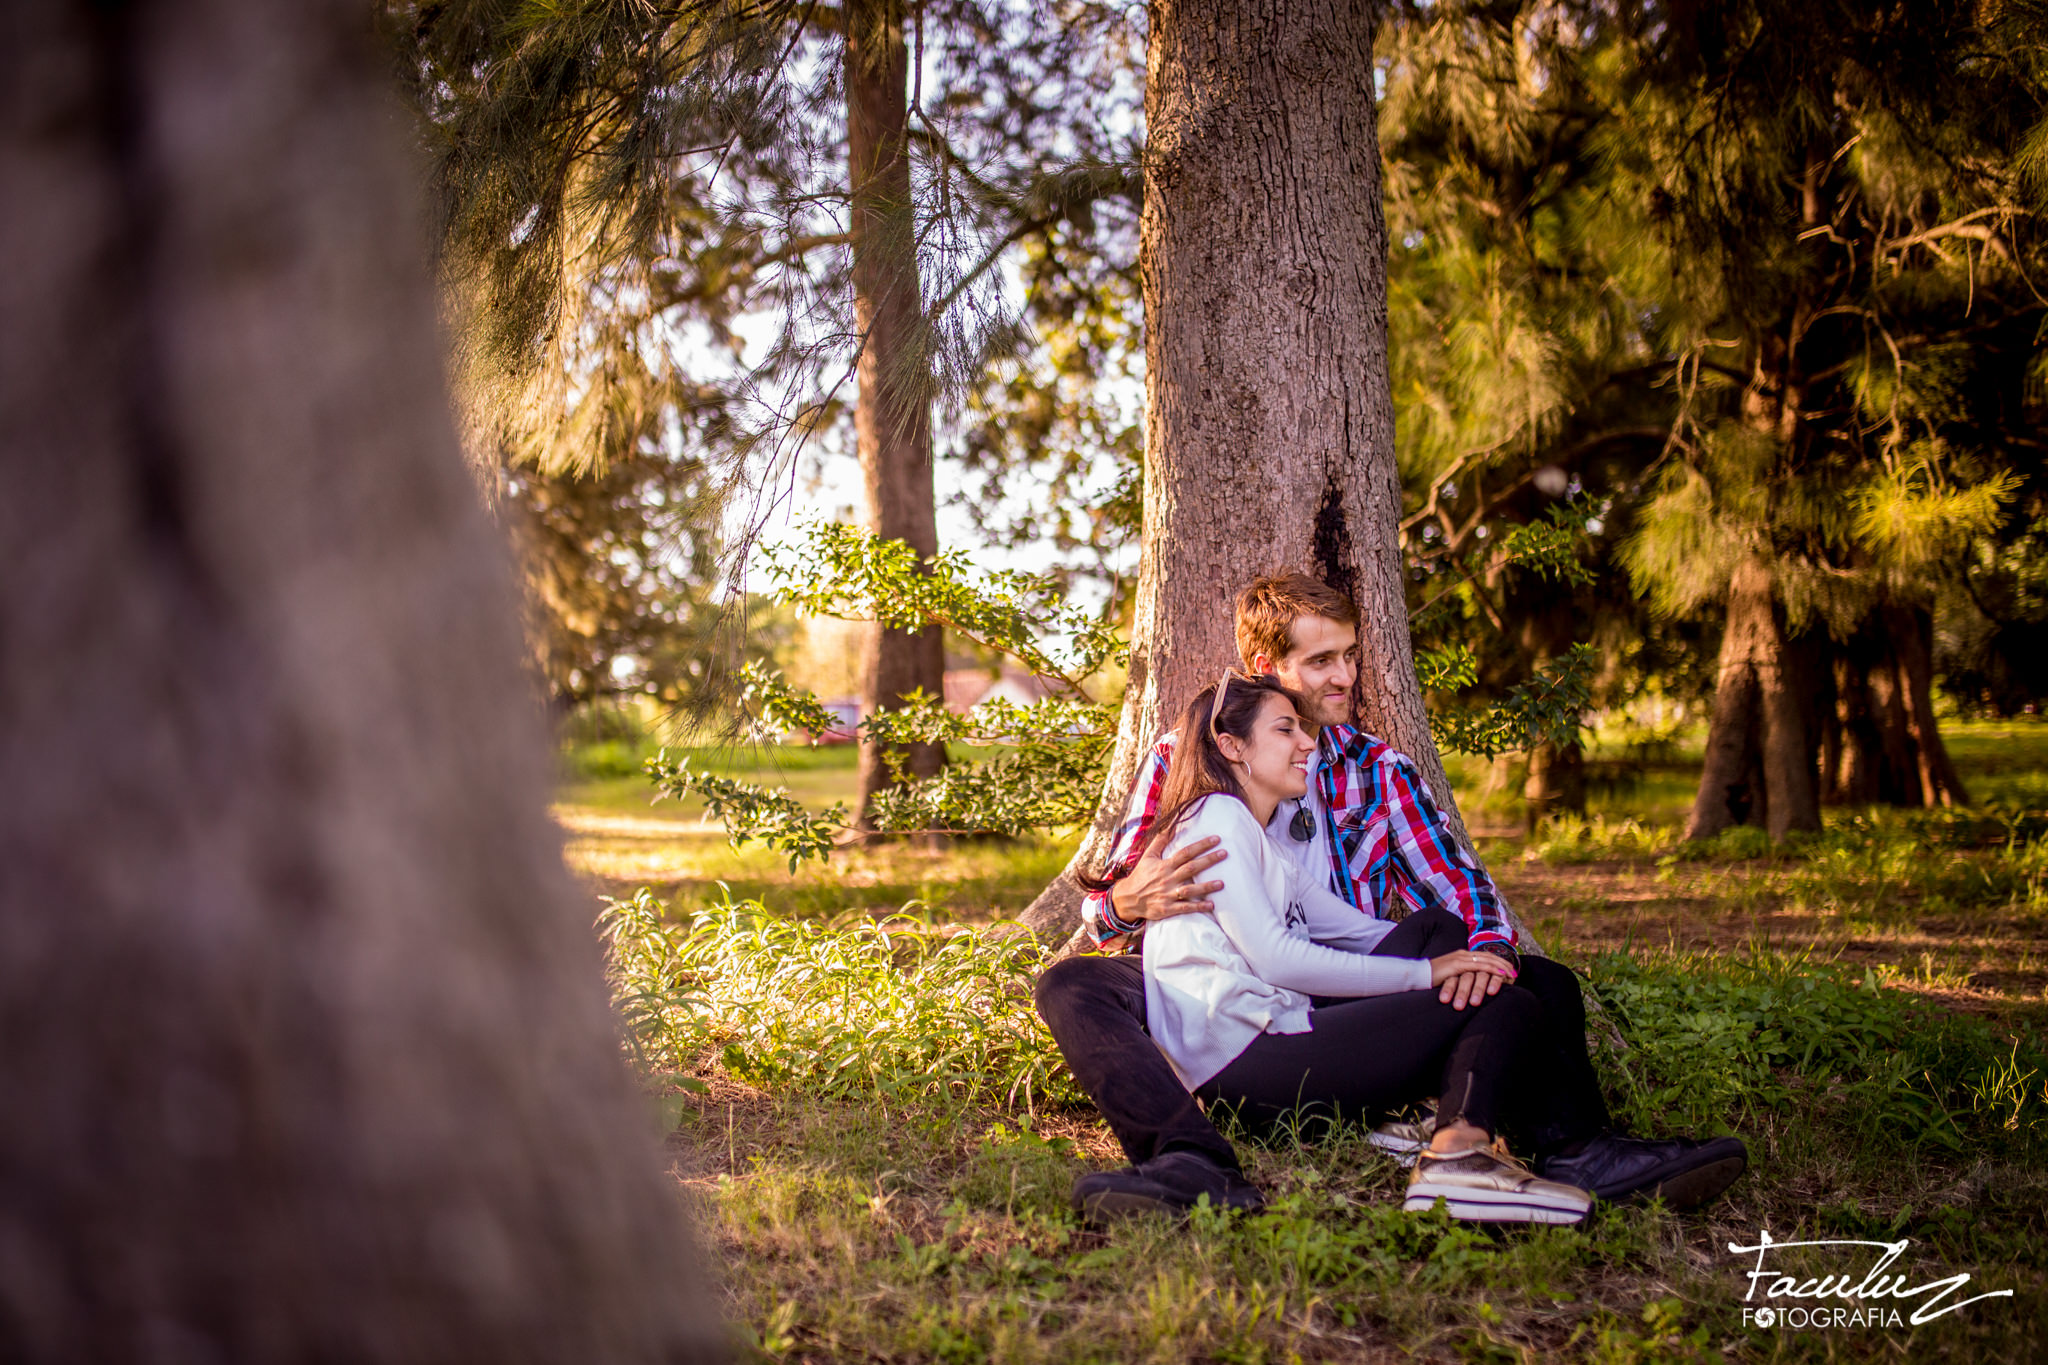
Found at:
<point>897,1010</point>
<point>1720,1042</point>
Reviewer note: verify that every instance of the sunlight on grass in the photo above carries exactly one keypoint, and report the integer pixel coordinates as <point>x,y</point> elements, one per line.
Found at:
<point>878,1129</point>
<point>904,1221</point>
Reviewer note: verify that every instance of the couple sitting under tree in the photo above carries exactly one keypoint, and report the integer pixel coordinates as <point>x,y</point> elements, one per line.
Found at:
<point>1351,961</point>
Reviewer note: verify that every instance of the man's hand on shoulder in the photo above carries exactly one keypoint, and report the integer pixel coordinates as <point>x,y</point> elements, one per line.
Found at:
<point>1160,888</point>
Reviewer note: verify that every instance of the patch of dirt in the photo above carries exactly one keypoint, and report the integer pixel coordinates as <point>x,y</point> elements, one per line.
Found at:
<point>1579,910</point>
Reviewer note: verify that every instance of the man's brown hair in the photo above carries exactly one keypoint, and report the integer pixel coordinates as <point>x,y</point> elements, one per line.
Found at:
<point>1268,609</point>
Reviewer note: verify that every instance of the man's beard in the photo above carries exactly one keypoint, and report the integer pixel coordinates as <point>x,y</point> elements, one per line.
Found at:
<point>1329,713</point>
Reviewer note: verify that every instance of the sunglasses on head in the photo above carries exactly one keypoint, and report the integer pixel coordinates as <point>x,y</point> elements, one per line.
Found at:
<point>1230,675</point>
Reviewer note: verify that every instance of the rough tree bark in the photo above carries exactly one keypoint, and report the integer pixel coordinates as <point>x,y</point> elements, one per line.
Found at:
<point>308,1055</point>
<point>892,421</point>
<point>1885,744</point>
<point>1760,763</point>
<point>1269,420</point>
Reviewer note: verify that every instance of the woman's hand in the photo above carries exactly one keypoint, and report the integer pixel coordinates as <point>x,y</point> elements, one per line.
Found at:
<point>1467,978</point>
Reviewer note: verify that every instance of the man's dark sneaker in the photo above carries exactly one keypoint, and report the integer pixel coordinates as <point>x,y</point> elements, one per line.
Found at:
<point>1170,1184</point>
<point>1685,1172</point>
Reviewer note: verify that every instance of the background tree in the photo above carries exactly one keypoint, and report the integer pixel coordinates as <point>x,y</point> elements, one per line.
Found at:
<point>618,179</point>
<point>1523,379</point>
<point>1860,317</point>
<point>308,1049</point>
<point>1235,498</point>
<point>893,420</point>
<point>619,568</point>
<point>1595,236</point>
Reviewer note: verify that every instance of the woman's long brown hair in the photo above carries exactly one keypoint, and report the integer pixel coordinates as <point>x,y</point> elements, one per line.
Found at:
<point>1199,768</point>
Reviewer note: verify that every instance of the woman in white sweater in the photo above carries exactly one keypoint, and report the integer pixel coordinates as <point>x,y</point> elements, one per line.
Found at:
<point>1286,1000</point>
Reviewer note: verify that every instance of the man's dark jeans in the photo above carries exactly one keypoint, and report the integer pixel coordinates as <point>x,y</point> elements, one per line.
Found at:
<point>1095,1007</point>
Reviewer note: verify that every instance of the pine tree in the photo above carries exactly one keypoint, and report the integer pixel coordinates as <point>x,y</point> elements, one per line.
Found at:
<point>1859,317</point>
<point>617,177</point>
<point>1758,279</point>
<point>1523,378</point>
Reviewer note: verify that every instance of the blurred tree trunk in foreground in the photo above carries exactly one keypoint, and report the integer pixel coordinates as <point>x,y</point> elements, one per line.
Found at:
<point>1269,420</point>
<point>307,1050</point>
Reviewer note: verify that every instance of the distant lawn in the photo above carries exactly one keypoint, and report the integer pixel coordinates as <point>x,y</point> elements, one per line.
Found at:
<point>621,838</point>
<point>2002,760</point>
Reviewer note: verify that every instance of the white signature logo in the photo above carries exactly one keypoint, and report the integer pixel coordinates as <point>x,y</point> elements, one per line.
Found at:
<point>1877,1283</point>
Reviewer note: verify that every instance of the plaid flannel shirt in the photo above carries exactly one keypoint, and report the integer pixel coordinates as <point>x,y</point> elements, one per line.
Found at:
<point>1391,851</point>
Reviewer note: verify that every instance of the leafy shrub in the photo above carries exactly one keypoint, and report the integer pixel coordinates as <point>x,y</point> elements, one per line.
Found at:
<point>1038,767</point>
<point>905,1012</point>
<point>1573,839</point>
<point>913,1013</point>
<point>1712,1040</point>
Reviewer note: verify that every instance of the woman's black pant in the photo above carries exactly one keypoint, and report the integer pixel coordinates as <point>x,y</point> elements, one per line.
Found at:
<point>1518,1061</point>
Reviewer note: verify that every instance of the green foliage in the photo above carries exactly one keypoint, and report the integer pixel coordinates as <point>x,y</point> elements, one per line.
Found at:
<point>838,570</point>
<point>1549,708</point>
<point>895,1010</point>
<point>1044,784</point>
<point>774,708</point>
<point>1567,839</point>
<point>1751,286</point>
<point>1447,668</point>
<point>750,811</point>
<point>1729,1041</point>
<point>1552,549</point>
<point>1046,760</point>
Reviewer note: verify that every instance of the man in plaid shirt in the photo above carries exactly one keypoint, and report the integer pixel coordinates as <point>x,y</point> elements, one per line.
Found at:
<point>1370,820</point>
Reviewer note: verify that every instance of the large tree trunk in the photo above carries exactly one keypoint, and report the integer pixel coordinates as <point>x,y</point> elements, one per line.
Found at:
<point>1890,748</point>
<point>892,422</point>
<point>308,1055</point>
<point>1269,421</point>
<point>1761,743</point>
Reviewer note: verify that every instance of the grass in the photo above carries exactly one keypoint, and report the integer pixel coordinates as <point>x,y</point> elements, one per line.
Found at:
<point>879,1140</point>
<point>621,839</point>
<point>860,1229</point>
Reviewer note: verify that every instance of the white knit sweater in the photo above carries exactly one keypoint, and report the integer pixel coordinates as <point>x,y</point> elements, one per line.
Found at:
<point>1214,982</point>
